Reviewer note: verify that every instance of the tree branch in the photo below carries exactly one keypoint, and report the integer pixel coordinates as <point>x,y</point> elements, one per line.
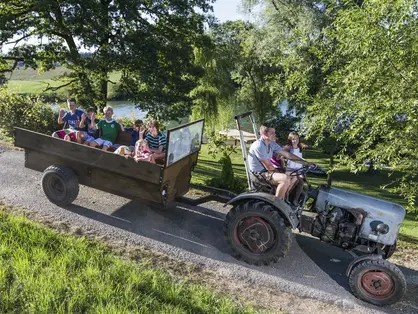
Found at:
<point>55,88</point>
<point>17,40</point>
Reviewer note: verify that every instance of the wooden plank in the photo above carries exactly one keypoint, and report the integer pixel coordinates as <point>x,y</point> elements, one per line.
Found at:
<point>95,158</point>
<point>97,178</point>
<point>124,138</point>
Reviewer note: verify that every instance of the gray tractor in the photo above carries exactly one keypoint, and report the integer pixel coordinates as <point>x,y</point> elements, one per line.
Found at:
<point>258,229</point>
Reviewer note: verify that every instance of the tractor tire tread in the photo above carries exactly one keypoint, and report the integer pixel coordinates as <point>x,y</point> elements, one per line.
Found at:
<point>70,181</point>
<point>400,281</point>
<point>285,233</point>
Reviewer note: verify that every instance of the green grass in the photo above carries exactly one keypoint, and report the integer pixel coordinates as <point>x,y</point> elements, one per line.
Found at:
<point>42,271</point>
<point>29,81</point>
<point>362,183</point>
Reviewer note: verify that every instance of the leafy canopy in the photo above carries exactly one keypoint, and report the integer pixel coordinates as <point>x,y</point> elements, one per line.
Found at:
<point>149,42</point>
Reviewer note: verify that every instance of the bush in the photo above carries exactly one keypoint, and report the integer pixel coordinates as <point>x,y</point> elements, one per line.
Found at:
<point>227,178</point>
<point>26,112</point>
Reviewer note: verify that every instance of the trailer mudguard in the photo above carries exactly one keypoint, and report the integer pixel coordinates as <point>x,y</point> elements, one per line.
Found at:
<point>282,207</point>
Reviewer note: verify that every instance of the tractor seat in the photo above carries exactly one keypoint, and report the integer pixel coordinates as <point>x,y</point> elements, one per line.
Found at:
<point>260,184</point>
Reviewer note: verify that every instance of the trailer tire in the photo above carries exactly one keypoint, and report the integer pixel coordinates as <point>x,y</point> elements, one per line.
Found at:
<point>377,282</point>
<point>256,233</point>
<point>60,185</point>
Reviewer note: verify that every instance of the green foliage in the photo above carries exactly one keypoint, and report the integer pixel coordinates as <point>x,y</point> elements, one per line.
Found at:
<point>227,179</point>
<point>371,79</point>
<point>350,67</point>
<point>235,78</point>
<point>217,145</point>
<point>149,43</point>
<point>25,112</point>
<point>283,124</point>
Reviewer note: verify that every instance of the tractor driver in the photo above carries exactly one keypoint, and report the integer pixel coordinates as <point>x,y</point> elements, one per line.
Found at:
<point>259,155</point>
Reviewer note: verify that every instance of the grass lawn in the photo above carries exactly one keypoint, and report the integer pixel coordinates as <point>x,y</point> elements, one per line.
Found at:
<point>362,182</point>
<point>29,81</point>
<point>42,271</point>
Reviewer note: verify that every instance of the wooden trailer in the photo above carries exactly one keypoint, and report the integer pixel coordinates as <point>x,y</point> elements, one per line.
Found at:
<point>66,165</point>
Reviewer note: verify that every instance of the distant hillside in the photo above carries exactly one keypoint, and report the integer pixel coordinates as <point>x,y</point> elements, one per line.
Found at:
<point>29,81</point>
<point>21,74</point>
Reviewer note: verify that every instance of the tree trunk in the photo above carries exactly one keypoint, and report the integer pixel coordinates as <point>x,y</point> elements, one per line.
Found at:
<point>104,52</point>
<point>331,165</point>
<point>86,93</point>
<point>103,91</point>
<point>371,167</point>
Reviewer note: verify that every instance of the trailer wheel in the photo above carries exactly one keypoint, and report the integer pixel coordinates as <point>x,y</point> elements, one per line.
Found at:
<point>256,233</point>
<point>60,185</point>
<point>378,282</point>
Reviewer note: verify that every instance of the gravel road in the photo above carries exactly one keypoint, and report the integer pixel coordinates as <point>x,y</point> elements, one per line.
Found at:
<point>194,234</point>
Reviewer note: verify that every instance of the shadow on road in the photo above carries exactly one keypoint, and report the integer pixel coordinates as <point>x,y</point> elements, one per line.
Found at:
<point>200,230</point>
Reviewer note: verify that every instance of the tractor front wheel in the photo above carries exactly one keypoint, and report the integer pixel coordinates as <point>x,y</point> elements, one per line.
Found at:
<point>256,233</point>
<point>378,282</point>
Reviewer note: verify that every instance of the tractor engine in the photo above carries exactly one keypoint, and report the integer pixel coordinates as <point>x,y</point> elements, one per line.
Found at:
<point>338,227</point>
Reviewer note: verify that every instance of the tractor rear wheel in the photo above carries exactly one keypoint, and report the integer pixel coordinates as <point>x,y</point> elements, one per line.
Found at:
<point>378,282</point>
<point>257,233</point>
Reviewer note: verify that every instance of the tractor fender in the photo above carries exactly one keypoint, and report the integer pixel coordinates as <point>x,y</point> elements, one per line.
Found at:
<point>281,206</point>
<point>360,259</point>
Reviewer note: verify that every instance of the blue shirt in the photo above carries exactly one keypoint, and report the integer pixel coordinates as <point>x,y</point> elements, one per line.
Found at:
<point>73,119</point>
<point>259,150</point>
<point>90,130</point>
<point>275,147</point>
<point>134,135</point>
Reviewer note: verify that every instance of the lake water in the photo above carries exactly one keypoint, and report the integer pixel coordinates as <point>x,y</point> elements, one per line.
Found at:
<point>126,109</point>
<point>120,109</point>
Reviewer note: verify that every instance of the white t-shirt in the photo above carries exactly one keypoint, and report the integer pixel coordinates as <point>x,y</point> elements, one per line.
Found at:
<point>292,164</point>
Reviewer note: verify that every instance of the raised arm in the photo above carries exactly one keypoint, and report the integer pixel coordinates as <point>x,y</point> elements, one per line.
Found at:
<point>122,129</point>
<point>60,116</point>
<point>83,121</point>
<point>93,123</point>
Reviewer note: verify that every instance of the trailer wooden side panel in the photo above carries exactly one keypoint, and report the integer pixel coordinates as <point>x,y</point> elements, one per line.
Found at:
<point>97,178</point>
<point>88,156</point>
<point>177,176</point>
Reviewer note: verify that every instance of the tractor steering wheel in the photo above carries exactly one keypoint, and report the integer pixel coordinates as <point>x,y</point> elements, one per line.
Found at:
<point>303,170</point>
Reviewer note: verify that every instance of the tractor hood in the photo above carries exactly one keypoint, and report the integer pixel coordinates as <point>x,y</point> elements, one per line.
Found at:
<point>376,211</point>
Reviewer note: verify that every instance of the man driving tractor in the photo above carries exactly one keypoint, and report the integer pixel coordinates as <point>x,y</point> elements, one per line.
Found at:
<point>259,155</point>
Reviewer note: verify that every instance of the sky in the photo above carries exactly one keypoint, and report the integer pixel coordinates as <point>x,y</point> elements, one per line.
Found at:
<point>226,10</point>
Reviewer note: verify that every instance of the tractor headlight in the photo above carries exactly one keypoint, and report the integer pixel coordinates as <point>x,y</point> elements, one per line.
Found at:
<point>382,228</point>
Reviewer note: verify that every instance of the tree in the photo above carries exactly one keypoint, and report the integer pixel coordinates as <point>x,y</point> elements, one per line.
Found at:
<point>254,75</point>
<point>235,78</point>
<point>148,42</point>
<point>376,86</point>
<point>350,66</point>
<point>214,97</point>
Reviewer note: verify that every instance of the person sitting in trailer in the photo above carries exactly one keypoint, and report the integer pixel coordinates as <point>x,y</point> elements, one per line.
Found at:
<point>109,130</point>
<point>135,131</point>
<point>156,140</point>
<point>71,120</point>
<point>88,121</point>
<point>143,152</point>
